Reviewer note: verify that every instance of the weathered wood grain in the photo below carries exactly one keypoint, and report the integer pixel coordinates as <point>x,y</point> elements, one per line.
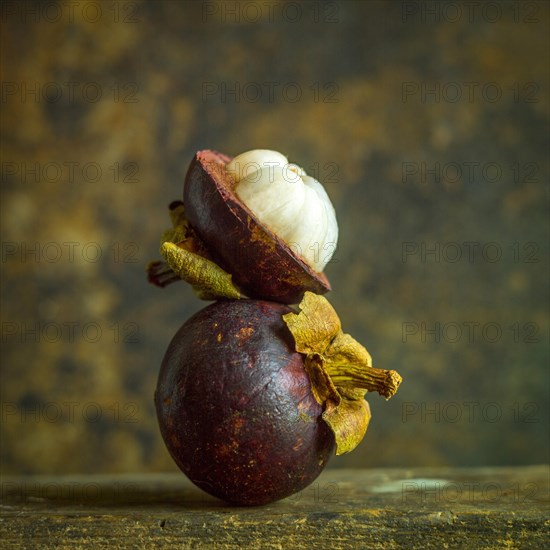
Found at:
<point>421,508</point>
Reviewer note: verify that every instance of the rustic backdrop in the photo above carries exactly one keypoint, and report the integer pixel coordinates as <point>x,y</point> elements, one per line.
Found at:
<point>427,123</point>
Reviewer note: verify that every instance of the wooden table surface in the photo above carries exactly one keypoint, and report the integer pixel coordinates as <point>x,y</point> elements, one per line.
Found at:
<point>378,508</point>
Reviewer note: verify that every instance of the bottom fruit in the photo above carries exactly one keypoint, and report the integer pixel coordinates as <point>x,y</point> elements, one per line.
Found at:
<point>235,406</point>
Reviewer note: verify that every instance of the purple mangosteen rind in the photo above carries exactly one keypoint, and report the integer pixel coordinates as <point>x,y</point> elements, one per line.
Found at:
<point>263,266</point>
<point>235,406</point>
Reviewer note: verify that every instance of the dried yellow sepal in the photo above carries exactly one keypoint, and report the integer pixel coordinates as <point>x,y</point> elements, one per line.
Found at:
<point>207,278</point>
<point>315,326</point>
<point>187,258</point>
<point>340,370</point>
<point>349,422</point>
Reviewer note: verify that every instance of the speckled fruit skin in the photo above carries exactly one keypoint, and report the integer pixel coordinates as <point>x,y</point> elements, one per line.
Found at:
<point>261,264</point>
<point>235,407</point>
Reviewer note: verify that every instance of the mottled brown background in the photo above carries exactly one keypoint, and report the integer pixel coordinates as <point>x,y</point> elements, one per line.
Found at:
<point>70,404</point>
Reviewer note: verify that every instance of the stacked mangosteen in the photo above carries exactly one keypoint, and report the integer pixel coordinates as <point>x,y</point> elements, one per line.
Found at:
<point>255,393</point>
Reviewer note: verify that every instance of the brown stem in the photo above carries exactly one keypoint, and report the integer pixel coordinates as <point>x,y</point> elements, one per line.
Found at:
<point>160,274</point>
<point>385,382</point>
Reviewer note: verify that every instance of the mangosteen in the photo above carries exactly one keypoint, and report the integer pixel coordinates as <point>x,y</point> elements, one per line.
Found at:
<point>245,400</point>
<point>260,220</point>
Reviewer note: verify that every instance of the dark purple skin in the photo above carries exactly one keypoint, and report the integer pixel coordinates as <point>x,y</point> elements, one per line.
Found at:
<point>235,407</point>
<point>262,265</point>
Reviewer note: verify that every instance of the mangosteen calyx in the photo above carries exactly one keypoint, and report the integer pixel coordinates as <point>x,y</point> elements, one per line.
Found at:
<point>186,258</point>
<point>340,370</point>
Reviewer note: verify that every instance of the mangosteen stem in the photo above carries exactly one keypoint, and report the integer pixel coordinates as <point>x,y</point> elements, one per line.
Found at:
<point>160,274</point>
<point>385,382</point>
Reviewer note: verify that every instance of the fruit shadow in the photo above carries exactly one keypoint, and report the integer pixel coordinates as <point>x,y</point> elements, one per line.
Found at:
<point>102,497</point>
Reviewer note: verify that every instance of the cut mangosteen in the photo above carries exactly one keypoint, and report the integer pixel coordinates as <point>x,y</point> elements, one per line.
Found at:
<point>262,265</point>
